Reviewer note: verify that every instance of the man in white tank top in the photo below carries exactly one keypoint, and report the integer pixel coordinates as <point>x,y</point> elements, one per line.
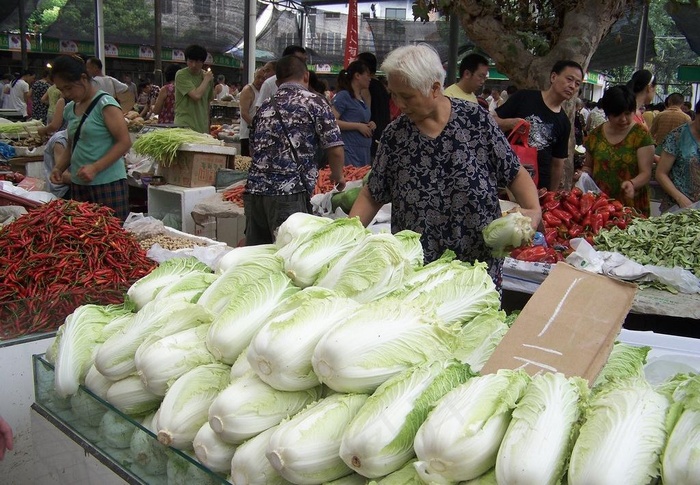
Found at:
<point>247,104</point>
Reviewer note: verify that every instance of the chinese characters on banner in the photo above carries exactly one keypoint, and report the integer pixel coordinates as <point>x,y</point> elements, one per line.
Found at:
<point>351,34</point>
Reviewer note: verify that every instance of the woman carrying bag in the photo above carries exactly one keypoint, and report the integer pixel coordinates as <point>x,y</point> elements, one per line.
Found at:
<point>98,139</point>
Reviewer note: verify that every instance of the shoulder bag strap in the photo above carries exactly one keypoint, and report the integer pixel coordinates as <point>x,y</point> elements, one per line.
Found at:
<point>85,117</point>
<point>286,133</point>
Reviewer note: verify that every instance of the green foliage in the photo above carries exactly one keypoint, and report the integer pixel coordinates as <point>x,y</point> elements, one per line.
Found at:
<point>120,16</point>
<point>46,14</point>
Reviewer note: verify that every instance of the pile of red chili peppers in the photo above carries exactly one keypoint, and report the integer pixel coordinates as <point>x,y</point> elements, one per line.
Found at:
<point>570,214</point>
<point>59,256</point>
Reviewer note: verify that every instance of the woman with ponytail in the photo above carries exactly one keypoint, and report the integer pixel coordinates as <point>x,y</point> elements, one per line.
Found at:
<point>643,86</point>
<point>353,113</point>
<point>20,92</point>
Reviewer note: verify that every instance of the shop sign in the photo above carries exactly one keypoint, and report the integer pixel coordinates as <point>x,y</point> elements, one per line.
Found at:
<point>111,50</point>
<point>145,52</point>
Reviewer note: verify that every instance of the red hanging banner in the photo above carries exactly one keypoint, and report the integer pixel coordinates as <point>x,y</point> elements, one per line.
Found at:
<point>351,41</point>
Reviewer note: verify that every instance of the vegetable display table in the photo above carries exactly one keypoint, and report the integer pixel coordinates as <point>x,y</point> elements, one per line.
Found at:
<point>652,309</point>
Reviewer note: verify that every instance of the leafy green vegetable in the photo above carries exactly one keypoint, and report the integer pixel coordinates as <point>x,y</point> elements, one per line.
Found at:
<point>248,406</point>
<point>130,396</point>
<point>375,267</point>
<point>625,362</point>
<point>508,232</point>
<point>479,338</point>
<point>460,439</point>
<point>186,404</point>
<point>321,248</point>
<point>211,451</point>
<point>250,466</point>
<point>304,449</point>
<point>540,435</point>
<point>622,437</point>
<point>80,337</point>
<point>234,328</point>
<point>170,271</point>
<point>681,456</point>
<point>380,438</point>
<point>345,199</point>
<point>378,341</point>
<point>281,351</point>
<point>672,239</point>
<point>162,145</point>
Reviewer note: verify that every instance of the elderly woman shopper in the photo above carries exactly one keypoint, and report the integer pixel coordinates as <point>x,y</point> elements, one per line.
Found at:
<point>440,164</point>
<point>98,139</point>
<point>678,170</point>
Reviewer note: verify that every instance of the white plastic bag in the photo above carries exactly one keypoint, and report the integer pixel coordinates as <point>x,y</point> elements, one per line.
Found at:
<point>586,183</point>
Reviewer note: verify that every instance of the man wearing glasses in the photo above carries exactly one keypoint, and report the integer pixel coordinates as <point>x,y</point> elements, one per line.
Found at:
<point>473,72</point>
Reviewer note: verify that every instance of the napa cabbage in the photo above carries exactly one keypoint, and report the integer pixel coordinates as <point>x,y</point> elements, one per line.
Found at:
<point>411,246</point>
<point>539,438</point>
<point>508,232</point>
<point>186,404</point>
<point>622,437</point>
<point>322,248</point>
<point>234,328</point>
<point>81,336</point>
<point>625,362</point>
<point>250,466</point>
<point>281,351</point>
<point>157,319</point>
<point>379,440</point>
<point>457,292</point>
<point>188,288</point>
<point>146,451</point>
<point>160,362</point>
<point>147,288</point>
<point>242,255</point>
<point>460,438</point>
<point>227,286</point>
<point>372,269</point>
<point>297,227</point>
<point>406,475</point>
<point>479,338</point>
<point>681,456</point>
<point>211,451</point>
<point>304,449</point>
<point>130,396</point>
<point>379,340</point>
<point>248,406</point>
<point>115,430</point>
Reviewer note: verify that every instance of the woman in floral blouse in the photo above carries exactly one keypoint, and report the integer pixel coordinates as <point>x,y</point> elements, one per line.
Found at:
<point>620,152</point>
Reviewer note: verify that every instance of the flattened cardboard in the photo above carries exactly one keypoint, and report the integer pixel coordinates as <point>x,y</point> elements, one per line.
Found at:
<point>569,325</point>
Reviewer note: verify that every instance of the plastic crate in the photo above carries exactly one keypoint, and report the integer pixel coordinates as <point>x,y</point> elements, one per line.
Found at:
<point>7,198</point>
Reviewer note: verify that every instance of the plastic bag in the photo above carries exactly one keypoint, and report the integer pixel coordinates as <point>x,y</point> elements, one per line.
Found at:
<point>587,184</point>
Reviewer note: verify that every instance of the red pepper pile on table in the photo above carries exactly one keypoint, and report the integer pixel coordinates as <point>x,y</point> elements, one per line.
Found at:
<point>59,256</point>
<point>567,215</point>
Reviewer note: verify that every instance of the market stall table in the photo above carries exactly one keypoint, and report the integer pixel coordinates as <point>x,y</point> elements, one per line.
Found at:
<point>652,309</point>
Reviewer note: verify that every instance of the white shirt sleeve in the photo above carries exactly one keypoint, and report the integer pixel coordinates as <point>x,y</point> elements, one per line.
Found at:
<point>119,87</point>
<point>268,88</point>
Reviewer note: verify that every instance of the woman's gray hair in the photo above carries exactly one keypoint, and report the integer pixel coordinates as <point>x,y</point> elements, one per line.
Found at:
<point>419,65</point>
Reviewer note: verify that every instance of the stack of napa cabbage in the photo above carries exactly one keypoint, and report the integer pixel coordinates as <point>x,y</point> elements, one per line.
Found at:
<point>335,356</point>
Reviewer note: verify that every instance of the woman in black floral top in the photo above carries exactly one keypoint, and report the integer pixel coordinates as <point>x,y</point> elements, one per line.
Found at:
<point>440,164</point>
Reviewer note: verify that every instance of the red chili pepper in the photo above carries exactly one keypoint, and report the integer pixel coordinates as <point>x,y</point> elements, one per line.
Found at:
<point>563,215</point>
<point>550,220</point>
<point>574,200</point>
<point>597,223</point>
<point>532,254</point>
<point>621,223</point>
<point>573,210</point>
<point>516,252</point>
<point>577,192</point>
<point>587,201</point>
<point>575,230</point>
<point>550,204</point>
<point>618,205</point>
<point>600,203</point>
<point>606,215</point>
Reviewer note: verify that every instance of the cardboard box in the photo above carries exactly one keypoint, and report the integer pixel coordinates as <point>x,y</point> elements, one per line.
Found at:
<point>569,325</point>
<point>196,165</point>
